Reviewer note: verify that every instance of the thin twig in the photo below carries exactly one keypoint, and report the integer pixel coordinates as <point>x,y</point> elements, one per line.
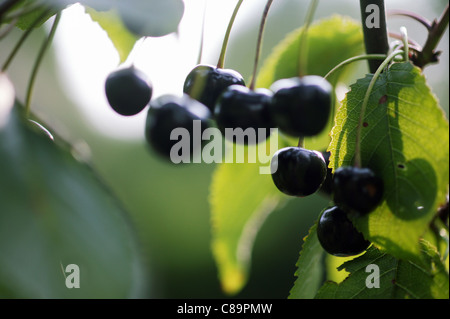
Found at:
<point>38,62</point>
<point>428,54</point>
<point>418,18</point>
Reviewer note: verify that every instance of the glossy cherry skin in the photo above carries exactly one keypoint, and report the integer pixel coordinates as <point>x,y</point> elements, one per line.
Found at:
<point>297,171</point>
<point>128,91</point>
<point>301,106</point>
<point>240,107</point>
<point>357,189</point>
<point>337,235</point>
<point>169,112</point>
<point>205,83</point>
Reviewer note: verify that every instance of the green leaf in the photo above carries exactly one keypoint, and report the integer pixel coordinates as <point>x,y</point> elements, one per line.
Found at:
<point>397,279</point>
<point>309,268</point>
<point>241,197</point>
<point>330,41</point>
<point>110,21</point>
<point>54,212</point>
<point>404,141</point>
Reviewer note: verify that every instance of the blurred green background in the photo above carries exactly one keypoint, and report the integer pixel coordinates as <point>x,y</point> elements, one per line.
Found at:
<point>168,204</point>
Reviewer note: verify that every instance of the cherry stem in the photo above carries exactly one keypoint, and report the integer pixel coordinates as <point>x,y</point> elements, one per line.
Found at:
<point>221,62</point>
<point>202,34</point>
<point>412,15</point>
<point>22,40</point>
<point>301,142</point>
<point>259,43</point>
<point>354,59</point>
<point>404,33</point>
<point>303,47</point>
<point>38,63</point>
<point>412,44</point>
<point>384,64</point>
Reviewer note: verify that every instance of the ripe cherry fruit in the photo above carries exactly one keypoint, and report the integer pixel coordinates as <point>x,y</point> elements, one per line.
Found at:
<point>337,235</point>
<point>168,117</point>
<point>205,83</point>
<point>301,106</point>
<point>357,189</point>
<point>128,90</point>
<point>238,107</point>
<point>297,171</point>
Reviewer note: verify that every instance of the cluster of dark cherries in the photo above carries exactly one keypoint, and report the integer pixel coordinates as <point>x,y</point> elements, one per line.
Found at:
<point>299,107</point>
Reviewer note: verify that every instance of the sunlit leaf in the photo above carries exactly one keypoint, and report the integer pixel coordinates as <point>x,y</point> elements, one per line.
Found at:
<point>110,21</point>
<point>309,268</point>
<point>377,275</point>
<point>405,142</point>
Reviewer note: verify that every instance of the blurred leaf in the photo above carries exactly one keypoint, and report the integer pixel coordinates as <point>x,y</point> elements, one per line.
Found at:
<point>55,212</point>
<point>110,21</point>
<point>397,279</point>
<point>309,268</point>
<point>241,199</point>
<point>153,18</point>
<point>334,271</point>
<point>405,142</point>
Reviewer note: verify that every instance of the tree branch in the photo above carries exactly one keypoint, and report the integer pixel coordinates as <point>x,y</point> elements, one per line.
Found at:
<point>375,36</point>
<point>428,54</point>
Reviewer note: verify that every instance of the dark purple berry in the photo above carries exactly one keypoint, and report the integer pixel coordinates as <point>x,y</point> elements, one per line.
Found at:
<point>297,171</point>
<point>301,106</point>
<point>337,235</point>
<point>357,189</point>
<point>128,91</point>
<point>205,83</point>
